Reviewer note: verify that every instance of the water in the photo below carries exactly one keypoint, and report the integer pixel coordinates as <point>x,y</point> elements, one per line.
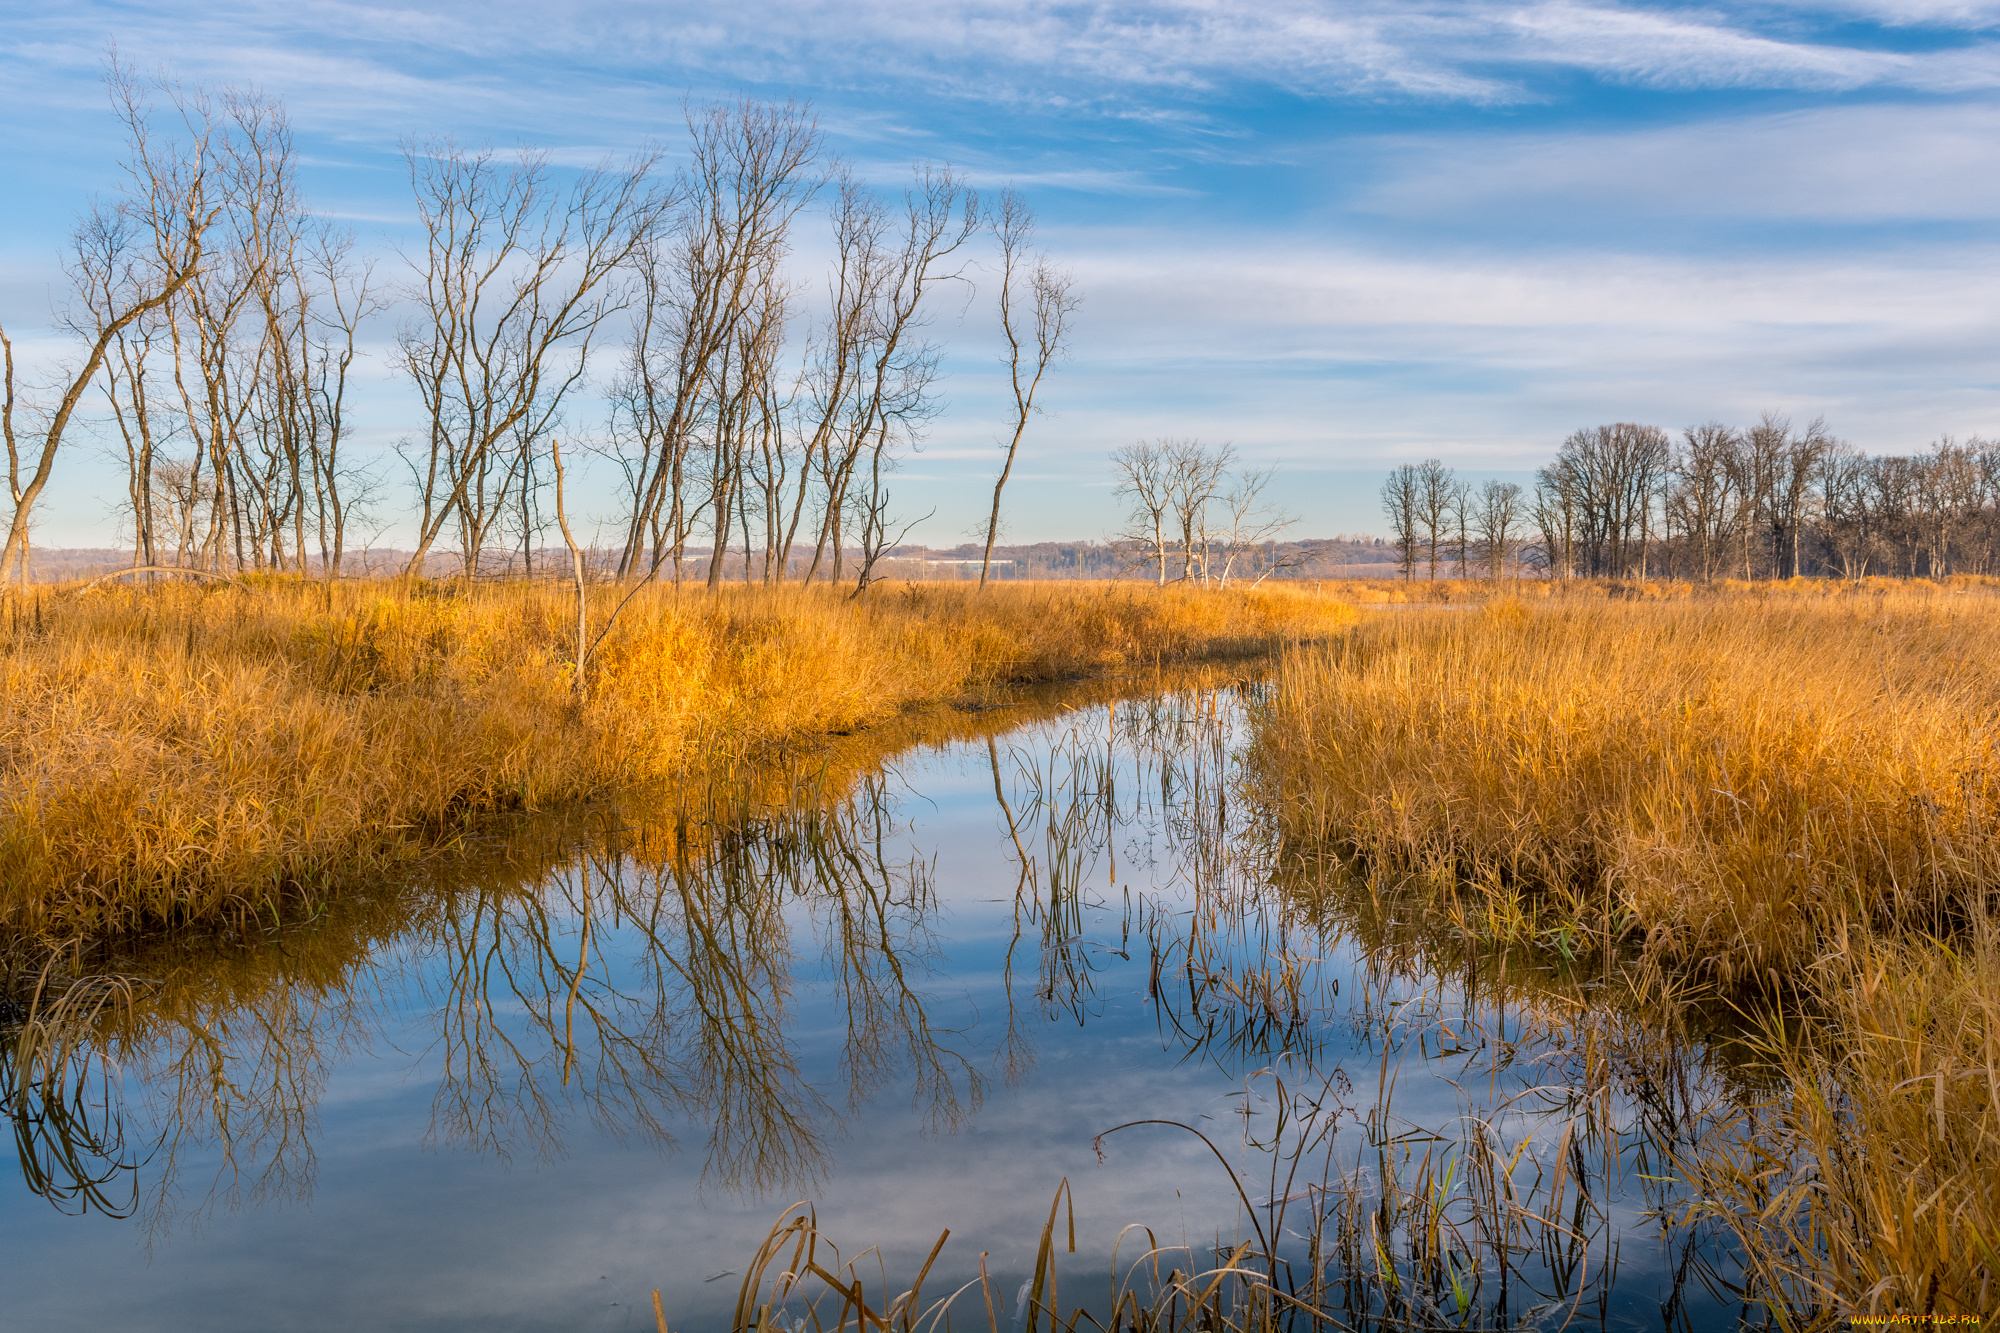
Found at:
<point>600,1055</point>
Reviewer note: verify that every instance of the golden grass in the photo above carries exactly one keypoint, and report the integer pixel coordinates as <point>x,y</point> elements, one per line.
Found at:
<point>176,753</point>
<point>1732,778</point>
<point>1792,795</point>
<point>1872,1186</point>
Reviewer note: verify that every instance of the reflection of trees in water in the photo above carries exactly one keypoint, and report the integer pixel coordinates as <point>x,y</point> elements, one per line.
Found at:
<point>226,1049</point>
<point>647,976</point>
<point>652,991</point>
<point>642,976</point>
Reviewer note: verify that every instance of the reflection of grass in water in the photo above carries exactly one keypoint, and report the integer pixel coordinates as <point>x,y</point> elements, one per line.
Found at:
<point>231,1034</point>
<point>56,1086</point>
<point>1509,1211</point>
<point>1425,1232</point>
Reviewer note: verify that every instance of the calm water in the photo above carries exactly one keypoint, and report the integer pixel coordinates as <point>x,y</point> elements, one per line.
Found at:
<point>606,1055</point>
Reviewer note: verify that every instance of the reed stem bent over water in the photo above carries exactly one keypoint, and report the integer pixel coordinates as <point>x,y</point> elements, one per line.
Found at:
<point>179,753</point>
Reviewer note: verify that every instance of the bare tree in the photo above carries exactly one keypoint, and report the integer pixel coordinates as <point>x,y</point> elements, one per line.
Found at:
<point>703,277</point>
<point>1793,497</point>
<point>258,345</point>
<point>837,367</point>
<point>1143,471</point>
<point>1052,299</point>
<point>1848,506</point>
<point>1701,494</point>
<point>1195,472</point>
<point>1608,479</point>
<point>1436,486</point>
<point>739,415</point>
<point>1253,519</point>
<point>514,282</point>
<point>1400,504</point>
<point>1557,520</point>
<point>1496,514</point>
<point>894,399</point>
<point>1461,522</point>
<point>169,199</point>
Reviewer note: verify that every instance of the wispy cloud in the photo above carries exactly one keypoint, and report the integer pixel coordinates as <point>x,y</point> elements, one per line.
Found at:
<point>1338,233</point>
<point>1857,164</point>
<point>1100,56</point>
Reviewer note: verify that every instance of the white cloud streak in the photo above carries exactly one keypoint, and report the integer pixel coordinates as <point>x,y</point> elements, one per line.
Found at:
<point>1111,56</point>
<point>1844,164</point>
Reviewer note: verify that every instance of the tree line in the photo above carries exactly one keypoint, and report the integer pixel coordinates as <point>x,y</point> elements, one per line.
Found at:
<point>751,408</point>
<point>1768,501</point>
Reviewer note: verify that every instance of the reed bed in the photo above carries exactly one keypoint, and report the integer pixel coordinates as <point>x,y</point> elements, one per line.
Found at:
<point>175,753</point>
<point>1732,780</point>
<point>1790,799</point>
<point>1871,1187</point>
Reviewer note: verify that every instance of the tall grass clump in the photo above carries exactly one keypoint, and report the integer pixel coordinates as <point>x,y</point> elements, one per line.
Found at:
<point>179,753</point>
<point>1792,799</point>
<point>1871,1187</point>
<point>1730,778</point>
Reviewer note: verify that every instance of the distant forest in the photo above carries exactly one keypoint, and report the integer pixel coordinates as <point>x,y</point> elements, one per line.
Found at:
<point>1765,502</point>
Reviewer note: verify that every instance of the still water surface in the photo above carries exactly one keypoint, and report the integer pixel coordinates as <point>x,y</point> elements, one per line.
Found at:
<point>606,1054</point>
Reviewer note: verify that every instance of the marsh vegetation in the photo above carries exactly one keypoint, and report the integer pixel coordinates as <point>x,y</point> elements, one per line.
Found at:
<point>1499,967</point>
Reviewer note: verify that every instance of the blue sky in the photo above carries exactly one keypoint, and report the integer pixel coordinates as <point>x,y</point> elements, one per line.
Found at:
<point>1340,236</point>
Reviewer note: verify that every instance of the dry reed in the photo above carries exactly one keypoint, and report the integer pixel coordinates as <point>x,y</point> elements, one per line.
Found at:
<point>1731,779</point>
<point>176,753</point>
<point>1792,796</point>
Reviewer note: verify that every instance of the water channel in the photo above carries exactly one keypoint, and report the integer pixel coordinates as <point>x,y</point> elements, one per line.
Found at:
<point>598,1053</point>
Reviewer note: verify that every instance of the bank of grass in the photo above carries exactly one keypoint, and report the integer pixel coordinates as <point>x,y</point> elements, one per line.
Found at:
<point>1788,796</point>
<point>1733,779</point>
<point>177,753</point>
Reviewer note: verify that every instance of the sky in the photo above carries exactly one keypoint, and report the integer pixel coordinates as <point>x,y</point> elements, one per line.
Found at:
<point>1338,236</point>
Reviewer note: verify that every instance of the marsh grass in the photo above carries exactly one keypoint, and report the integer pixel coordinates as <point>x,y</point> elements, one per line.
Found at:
<point>1732,781</point>
<point>1785,803</point>
<point>1870,1185</point>
<point>174,753</point>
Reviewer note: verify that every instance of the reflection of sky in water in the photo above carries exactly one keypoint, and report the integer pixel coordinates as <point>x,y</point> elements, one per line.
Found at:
<point>572,1227</point>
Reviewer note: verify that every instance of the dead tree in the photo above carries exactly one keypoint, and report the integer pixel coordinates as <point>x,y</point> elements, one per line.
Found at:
<point>170,200</point>
<point>1253,518</point>
<point>1496,514</point>
<point>1143,474</point>
<point>1436,484</point>
<point>513,284</point>
<point>704,275</point>
<point>893,398</point>
<point>1702,497</point>
<point>1194,475</point>
<point>1052,299</point>
<point>1400,504</point>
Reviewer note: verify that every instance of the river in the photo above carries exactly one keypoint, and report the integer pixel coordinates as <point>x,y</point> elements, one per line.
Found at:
<point>600,1053</point>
